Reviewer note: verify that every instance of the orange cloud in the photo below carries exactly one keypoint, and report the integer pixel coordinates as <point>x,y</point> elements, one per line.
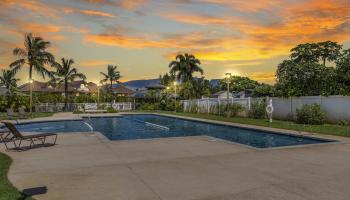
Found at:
<point>88,12</point>
<point>308,21</point>
<point>36,7</point>
<point>123,41</point>
<point>40,28</point>
<point>266,77</point>
<point>96,13</point>
<point>131,4</point>
<point>198,19</point>
<point>247,6</point>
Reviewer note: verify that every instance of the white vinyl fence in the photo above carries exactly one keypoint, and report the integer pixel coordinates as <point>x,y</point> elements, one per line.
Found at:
<point>336,107</point>
<point>207,105</point>
<point>58,107</point>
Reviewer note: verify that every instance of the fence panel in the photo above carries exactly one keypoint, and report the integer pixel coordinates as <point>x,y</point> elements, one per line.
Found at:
<point>71,107</point>
<point>336,107</point>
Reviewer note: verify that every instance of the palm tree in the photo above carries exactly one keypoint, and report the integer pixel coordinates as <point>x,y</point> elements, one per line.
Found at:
<point>65,74</point>
<point>184,66</point>
<point>7,79</point>
<point>112,76</point>
<point>34,55</point>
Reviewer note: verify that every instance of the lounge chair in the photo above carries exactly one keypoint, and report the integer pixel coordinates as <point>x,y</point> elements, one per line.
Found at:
<point>14,136</point>
<point>11,114</point>
<point>23,113</point>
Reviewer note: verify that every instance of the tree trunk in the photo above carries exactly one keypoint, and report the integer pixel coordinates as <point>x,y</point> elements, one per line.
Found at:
<point>65,95</point>
<point>111,93</point>
<point>324,61</point>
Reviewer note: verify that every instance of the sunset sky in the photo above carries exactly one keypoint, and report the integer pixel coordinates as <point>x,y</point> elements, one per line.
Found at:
<point>245,37</point>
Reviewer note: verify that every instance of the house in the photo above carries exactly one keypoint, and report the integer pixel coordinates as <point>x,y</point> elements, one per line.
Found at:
<point>243,94</point>
<point>122,90</point>
<point>75,86</point>
<point>222,95</point>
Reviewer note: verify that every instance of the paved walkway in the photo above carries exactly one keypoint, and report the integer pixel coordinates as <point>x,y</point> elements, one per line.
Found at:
<point>86,166</point>
<point>83,166</point>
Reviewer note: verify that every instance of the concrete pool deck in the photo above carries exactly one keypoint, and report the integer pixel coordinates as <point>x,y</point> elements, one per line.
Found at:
<point>87,166</point>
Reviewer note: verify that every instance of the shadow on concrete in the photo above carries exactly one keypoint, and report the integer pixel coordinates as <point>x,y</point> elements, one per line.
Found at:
<point>29,192</point>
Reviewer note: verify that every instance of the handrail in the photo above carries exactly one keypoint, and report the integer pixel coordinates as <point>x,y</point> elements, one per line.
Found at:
<point>158,126</point>
<point>151,124</point>
<point>87,124</point>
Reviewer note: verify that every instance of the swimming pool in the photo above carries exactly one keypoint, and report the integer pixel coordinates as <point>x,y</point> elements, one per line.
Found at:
<point>129,127</point>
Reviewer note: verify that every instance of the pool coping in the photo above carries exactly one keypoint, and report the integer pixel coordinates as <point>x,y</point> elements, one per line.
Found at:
<point>331,139</point>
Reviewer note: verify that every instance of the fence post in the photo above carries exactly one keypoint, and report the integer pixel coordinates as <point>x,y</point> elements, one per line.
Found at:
<point>291,107</point>
<point>249,103</point>
<point>219,105</point>
<point>208,105</point>
<point>198,108</point>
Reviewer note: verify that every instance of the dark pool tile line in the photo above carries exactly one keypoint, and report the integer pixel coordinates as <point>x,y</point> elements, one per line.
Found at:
<point>203,121</point>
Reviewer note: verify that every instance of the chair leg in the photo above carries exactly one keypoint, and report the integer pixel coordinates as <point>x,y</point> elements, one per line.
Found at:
<point>55,139</point>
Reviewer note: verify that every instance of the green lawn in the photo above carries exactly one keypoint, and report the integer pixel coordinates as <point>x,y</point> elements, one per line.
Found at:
<point>7,191</point>
<point>3,116</point>
<point>328,129</point>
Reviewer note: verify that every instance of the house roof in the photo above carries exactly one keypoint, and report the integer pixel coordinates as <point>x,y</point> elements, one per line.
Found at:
<point>45,87</point>
<point>122,89</point>
<point>220,93</point>
<point>155,86</point>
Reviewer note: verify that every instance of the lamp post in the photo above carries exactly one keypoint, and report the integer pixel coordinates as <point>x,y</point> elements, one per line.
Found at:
<point>228,77</point>
<point>175,93</point>
<point>30,95</point>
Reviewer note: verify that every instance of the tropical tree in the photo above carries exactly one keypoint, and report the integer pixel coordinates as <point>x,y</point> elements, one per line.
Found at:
<point>112,76</point>
<point>328,51</point>
<point>8,80</point>
<point>166,79</point>
<point>184,66</point>
<point>307,52</point>
<point>263,90</point>
<point>343,72</point>
<point>305,79</point>
<point>65,73</point>
<point>239,83</point>
<point>34,55</point>
<point>316,52</point>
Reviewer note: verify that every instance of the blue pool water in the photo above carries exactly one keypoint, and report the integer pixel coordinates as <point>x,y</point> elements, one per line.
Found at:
<point>131,127</point>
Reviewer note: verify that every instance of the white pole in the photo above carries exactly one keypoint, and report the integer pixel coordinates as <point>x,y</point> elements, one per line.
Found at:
<point>175,95</point>
<point>249,103</point>
<point>31,95</point>
<point>208,105</point>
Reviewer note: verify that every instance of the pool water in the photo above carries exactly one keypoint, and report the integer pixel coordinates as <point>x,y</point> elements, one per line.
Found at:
<point>131,127</point>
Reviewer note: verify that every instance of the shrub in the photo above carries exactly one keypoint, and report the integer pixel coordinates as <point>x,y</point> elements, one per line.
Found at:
<point>230,110</point>
<point>147,106</point>
<point>343,122</point>
<point>111,110</point>
<point>310,114</point>
<point>257,110</point>
<point>233,109</point>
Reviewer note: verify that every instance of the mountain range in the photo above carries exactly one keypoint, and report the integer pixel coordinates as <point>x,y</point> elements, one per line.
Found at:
<point>138,84</point>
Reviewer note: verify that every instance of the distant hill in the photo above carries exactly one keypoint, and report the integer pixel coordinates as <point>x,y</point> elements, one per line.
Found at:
<point>137,84</point>
<point>214,82</point>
